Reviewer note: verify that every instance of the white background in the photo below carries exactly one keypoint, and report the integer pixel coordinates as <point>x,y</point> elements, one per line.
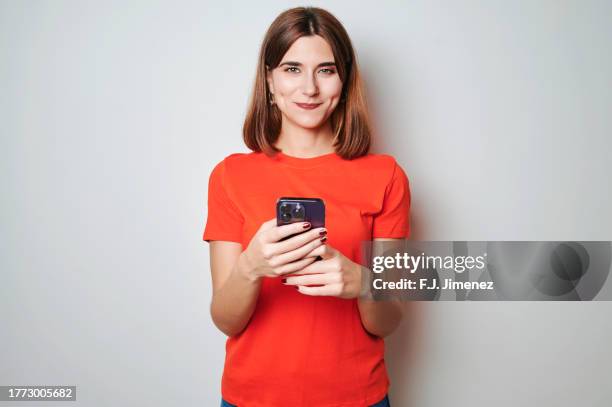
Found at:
<point>113,114</point>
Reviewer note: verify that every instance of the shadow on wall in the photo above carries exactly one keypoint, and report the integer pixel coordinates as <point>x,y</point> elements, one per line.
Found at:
<point>402,350</point>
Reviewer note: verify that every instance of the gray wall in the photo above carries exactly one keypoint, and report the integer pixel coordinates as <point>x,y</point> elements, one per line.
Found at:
<point>112,115</point>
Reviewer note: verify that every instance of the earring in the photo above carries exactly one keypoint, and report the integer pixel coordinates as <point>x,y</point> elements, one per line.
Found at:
<point>271,98</point>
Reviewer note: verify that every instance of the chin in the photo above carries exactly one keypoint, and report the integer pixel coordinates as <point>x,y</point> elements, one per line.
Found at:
<point>309,124</point>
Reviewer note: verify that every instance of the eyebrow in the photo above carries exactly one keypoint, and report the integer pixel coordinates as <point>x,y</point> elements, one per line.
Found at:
<point>293,63</point>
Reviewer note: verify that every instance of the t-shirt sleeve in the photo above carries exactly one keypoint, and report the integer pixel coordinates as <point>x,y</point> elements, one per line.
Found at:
<point>224,220</point>
<point>393,221</point>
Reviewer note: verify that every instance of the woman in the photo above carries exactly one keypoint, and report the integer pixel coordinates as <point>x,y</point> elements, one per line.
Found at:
<point>299,333</point>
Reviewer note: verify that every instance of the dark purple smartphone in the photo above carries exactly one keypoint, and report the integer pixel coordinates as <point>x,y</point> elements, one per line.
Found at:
<point>291,210</point>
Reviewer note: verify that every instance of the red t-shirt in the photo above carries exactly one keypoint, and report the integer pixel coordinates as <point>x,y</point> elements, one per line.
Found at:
<point>300,350</point>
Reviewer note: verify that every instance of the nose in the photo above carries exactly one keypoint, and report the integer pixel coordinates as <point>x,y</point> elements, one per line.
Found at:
<point>309,85</point>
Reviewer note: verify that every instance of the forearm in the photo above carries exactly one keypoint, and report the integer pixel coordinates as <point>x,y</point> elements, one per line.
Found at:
<point>233,304</point>
<point>380,318</point>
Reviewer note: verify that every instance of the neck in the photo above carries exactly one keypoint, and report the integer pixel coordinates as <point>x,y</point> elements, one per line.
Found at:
<point>301,142</point>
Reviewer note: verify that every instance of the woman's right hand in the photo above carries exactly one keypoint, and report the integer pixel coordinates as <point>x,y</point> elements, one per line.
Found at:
<point>266,256</point>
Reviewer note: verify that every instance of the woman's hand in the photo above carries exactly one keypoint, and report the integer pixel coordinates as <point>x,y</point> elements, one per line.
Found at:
<point>337,275</point>
<point>267,257</point>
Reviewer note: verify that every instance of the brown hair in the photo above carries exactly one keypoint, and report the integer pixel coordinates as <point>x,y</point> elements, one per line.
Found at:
<point>350,122</point>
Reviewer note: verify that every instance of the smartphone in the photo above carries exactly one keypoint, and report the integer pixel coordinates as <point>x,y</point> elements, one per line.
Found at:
<point>291,210</point>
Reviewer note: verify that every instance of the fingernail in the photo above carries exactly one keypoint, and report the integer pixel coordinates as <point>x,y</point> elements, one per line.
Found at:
<point>284,281</point>
<point>306,225</point>
<point>323,239</point>
<point>323,232</point>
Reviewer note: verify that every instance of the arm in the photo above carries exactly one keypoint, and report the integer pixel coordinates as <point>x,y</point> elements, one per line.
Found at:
<point>237,275</point>
<point>339,276</point>
<point>380,318</point>
<point>235,292</point>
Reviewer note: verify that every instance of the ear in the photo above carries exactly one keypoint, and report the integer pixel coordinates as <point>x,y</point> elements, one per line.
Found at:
<point>269,79</point>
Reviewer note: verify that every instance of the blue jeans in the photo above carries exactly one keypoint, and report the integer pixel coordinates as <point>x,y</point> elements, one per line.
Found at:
<point>382,403</point>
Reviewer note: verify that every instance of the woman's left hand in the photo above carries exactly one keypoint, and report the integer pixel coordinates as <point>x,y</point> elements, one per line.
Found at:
<point>337,275</point>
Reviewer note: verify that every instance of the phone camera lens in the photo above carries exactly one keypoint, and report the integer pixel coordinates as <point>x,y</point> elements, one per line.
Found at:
<point>298,211</point>
<point>285,216</point>
<point>285,208</point>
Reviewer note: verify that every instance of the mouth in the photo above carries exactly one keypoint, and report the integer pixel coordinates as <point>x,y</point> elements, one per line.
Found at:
<point>309,106</point>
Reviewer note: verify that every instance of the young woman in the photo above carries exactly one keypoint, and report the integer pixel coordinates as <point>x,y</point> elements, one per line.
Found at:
<point>299,332</point>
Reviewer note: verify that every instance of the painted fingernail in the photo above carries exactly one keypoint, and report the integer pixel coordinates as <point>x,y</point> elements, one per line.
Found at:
<point>306,225</point>
<point>284,281</point>
<point>323,232</point>
<point>323,239</point>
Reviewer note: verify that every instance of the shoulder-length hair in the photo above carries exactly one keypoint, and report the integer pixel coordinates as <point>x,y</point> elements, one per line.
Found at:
<point>350,121</point>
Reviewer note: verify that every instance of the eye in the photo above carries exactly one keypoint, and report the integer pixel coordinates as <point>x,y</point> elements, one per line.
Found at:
<point>289,69</point>
<point>328,71</point>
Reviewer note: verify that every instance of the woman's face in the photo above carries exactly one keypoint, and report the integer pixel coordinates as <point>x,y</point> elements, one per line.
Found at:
<point>307,74</point>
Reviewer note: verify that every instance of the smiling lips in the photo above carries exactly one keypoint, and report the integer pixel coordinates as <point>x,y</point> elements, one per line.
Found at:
<point>309,106</point>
